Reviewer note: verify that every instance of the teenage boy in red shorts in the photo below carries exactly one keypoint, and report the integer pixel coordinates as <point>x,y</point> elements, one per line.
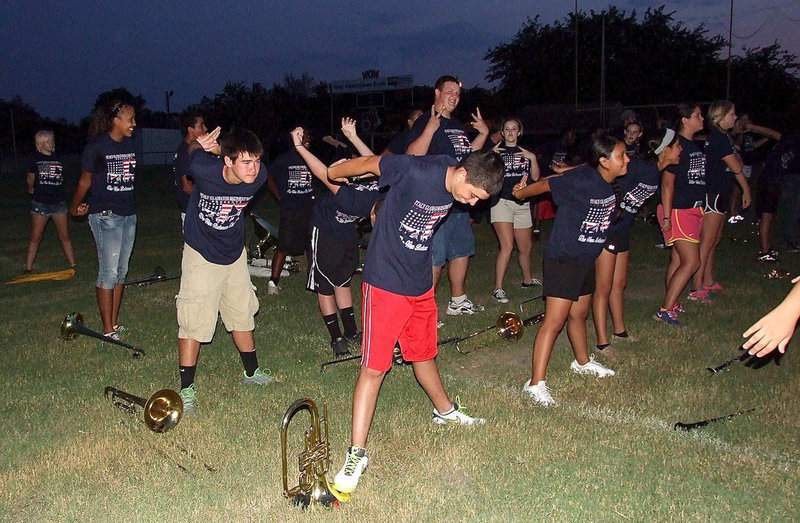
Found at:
<point>398,302</point>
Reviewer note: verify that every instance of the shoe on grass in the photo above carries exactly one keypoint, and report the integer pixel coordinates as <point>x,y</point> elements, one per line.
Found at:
<point>465,307</point>
<point>355,463</point>
<point>273,289</point>
<point>353,338</point>
<point>701,295</point>
<point>669,317</point>
<point>591,367</point>
<point>766,257</point>
<point>189,398</point>
<point>259,377</point>
<point>539,393</point>
<point>534,282</point>
<point>624,336</point>
<point>679,308</point>
<point>714,287</point>
<point>457,415</point>
<point>113,335</point>
<point>500,296</point>
<point>339,346</point>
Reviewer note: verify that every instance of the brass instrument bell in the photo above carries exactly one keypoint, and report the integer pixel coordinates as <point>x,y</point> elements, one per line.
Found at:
<point>162,410</point>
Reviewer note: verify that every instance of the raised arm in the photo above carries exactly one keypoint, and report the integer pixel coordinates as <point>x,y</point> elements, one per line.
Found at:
<point>764,131</point>
<point>317,168</point>
<point>420,146</point>
<point>483,130</point>
<point>349,130</point>
<point>355,167</point>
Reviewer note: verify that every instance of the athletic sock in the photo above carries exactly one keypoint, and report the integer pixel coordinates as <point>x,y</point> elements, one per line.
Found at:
<point>452,409</point>
<point>348,321</point>
<point>332,323</point>
<point>249,361</point>
<point>458,299</point>
<point>187,375</point>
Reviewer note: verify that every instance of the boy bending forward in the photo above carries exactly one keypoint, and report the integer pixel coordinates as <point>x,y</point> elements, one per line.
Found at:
<point>398,301</point>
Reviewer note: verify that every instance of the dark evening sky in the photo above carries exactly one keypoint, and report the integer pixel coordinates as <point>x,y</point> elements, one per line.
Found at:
<point>58,55</point>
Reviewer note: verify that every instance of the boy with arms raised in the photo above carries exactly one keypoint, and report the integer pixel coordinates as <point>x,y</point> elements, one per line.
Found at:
<point>214,277</point>
<point>398,301</point>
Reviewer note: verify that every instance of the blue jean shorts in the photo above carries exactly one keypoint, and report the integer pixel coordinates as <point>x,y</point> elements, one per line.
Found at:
<point>453,239</point>
<point>48,209</point>
<point>113,236</point>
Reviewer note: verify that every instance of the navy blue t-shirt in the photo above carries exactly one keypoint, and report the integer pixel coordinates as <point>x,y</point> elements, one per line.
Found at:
<point>719,177</point>
<point>294,180</point>
<point>399,257</point>
<point>214,225</point>
<point>585,204</point>
<point>449,139</point>
<point>783,160</point>
<point>400,142</point>
<point>113,168</point>
<point>516,167</point>
<point>337,213</point>
<point>48,179</point>
<point>690,176</point>
<point>180,167</point>
<point>635,188</point>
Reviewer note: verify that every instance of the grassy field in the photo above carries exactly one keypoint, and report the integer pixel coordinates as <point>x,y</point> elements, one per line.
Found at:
<point>608,452</point>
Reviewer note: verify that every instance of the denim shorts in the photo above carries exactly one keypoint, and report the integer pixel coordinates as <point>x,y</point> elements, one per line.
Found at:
<point>48,209</point>
<point>114,236</point>
<point>453,239</point>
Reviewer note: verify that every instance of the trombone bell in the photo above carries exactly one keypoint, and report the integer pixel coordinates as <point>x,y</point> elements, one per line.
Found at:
<point>509,326</point>
<point>162,410</point>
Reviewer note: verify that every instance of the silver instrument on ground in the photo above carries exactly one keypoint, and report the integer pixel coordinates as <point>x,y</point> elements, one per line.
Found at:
<point>72,326</point>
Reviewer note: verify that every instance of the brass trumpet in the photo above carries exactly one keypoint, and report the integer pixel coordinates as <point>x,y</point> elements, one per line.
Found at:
<point>72,326</point>
<point>314,461</point>
<point>162,410</point>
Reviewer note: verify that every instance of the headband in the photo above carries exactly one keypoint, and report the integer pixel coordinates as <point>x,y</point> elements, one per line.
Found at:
<point>668,137</point>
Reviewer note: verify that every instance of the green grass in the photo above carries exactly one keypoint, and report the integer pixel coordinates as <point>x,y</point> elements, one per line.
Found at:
<point>607,453</point>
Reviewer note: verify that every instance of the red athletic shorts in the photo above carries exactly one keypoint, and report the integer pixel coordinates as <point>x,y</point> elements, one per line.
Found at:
<point>390,318</point>
<point>686,224</point>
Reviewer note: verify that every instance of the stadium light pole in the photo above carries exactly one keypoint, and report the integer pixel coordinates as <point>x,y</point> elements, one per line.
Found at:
<point>730,45</point>
<point>576,55</point>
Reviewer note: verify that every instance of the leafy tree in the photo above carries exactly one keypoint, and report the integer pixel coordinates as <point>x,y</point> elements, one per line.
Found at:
<point>654,59</point>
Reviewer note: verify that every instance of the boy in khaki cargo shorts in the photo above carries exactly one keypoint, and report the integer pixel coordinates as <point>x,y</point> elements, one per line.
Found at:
<point>214,278</point>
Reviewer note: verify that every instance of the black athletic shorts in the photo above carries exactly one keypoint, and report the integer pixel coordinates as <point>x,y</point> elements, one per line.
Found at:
<point>568,279</point>
<point>294,230</point>
<point>333,261</point>
<point>618,241</point>
<point>768,198</point>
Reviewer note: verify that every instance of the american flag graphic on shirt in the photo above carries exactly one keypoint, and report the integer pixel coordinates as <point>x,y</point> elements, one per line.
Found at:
<point>597,220</point>
<point>416,227</point>
<point>121,171</point>
<point>221,212</point>
<point>49,173</point>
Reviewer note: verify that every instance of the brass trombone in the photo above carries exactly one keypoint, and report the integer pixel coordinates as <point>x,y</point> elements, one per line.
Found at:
<point>508,326</point>
<point>314,461</point>
<point>72,326</point>
<point>162,410</point>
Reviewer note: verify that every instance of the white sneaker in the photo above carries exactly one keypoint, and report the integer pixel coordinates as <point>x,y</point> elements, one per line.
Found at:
<point>273,288</point>
<point>355,463</point>
<point>591,367</point>
<point>500,295</point>
<point>539,393</point>
<point>465,307</point>
<point>457,415</point>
